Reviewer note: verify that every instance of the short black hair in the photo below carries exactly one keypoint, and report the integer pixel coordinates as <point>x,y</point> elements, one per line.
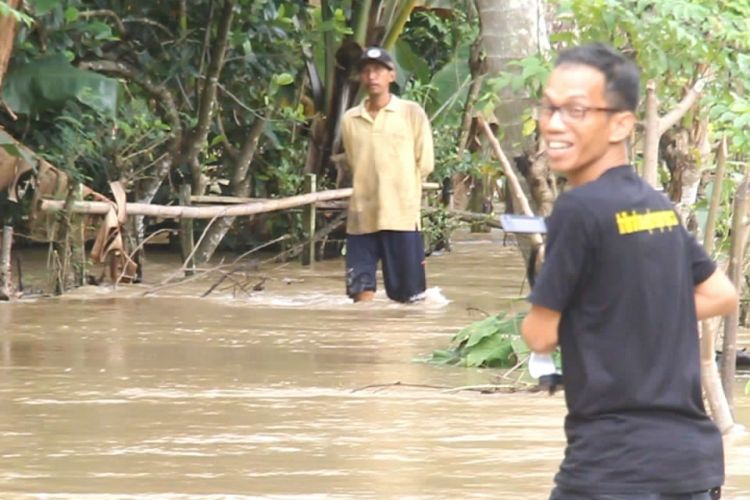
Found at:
<point>622,76</point>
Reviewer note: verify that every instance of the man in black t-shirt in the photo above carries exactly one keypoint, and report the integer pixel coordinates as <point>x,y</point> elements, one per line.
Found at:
<point>621,290</point>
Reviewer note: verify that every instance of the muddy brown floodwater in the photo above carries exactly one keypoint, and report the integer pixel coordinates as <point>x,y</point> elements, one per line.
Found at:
<point>113,394</point>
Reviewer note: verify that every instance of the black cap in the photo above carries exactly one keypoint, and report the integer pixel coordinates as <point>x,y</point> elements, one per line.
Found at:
<point>377,55</point>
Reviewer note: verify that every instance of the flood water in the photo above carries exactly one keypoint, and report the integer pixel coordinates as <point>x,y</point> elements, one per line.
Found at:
<point>289,392</point>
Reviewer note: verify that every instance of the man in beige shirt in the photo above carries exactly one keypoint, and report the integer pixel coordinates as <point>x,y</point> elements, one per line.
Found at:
<point>388,145</point>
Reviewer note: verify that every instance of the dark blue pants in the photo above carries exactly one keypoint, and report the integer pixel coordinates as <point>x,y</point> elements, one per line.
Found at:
<point>563,494</point>
<point>402,254</point>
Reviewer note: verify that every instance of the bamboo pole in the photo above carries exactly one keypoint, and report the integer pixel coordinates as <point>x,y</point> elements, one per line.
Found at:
<point>6,280</point>
<point>710,379</point>
<point>176,212</point>
<point>651,136</point>
<point>713,210</point>
<point>187,241</point>
<point>740,227</point>
<point>308,223</point>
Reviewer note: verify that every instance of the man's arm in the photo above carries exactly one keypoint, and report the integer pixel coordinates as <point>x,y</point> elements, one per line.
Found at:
<point>346,139</point>
<point>716,296</point>
<point>539,329</point>
<point>423,146</point>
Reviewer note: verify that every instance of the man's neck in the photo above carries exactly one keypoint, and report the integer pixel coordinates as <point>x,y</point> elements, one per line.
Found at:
<point>615,157</point>
<point>377,102</point>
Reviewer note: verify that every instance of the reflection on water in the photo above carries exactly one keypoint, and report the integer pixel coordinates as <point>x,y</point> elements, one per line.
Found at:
<point>291,392</point>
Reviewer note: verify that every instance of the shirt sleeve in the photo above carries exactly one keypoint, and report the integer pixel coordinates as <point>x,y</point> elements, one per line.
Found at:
<point>568,251</point>
<point>702,266</point>
<point>346,139</point>
<point>423,145</point>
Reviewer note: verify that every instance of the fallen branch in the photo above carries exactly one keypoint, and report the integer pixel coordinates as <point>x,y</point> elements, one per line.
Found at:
<point>132,254</point>
<point>400,384</point>
<point>516,191</point>
<point>167,283</point>
<point>319,235</point>
<point>485,388</point>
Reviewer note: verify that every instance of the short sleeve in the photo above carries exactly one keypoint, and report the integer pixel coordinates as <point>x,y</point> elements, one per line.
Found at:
<point>702,266</point>
<point>568,250</point>
<point>346,139</point>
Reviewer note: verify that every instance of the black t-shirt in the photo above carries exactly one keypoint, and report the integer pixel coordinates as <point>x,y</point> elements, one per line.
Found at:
<point>621,270</point>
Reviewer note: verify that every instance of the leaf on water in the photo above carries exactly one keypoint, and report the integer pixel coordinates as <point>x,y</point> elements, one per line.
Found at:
<point>494,341</point>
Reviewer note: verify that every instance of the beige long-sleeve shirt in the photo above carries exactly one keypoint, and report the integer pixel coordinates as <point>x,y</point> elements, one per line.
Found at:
<point>389,157</point>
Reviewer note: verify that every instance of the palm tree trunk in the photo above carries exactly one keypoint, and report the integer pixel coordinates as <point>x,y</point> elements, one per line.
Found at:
<point>512,30</point>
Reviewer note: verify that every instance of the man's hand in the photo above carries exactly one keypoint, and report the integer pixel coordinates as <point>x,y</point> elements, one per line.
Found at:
<point>716,296</point>
<point>539,329</point>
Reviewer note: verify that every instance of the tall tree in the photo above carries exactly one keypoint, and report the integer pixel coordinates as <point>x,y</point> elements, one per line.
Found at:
<point>512,30</point>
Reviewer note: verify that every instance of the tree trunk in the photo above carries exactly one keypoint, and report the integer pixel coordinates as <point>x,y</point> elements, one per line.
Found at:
<point>7,37</point>
<point>478,69</point>
<point>542,185</point>
<point>197,138</point>
<point>685,153</point>
<point>710,379</point>
<point>240,186</point>
<point>737,253</point>
<point>711,382</point>
<point>512,30</point>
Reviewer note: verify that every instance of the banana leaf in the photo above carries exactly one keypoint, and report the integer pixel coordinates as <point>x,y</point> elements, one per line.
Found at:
<point>49,82</point>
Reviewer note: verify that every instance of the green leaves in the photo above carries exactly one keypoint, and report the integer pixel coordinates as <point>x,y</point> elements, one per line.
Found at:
<point>48,83</point>
<point>42,7</point>
<point>494,342</point>
<point>11,147</point>
<point>6,10</point>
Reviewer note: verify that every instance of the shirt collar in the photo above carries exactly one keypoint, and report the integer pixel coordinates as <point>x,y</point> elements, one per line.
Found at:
<point>393,105</point>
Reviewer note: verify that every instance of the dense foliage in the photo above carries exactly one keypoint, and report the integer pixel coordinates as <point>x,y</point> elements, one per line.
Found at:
<point>233,97</point>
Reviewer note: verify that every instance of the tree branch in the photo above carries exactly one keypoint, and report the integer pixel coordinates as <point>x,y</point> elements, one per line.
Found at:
<point>667,121</point>
<point>208,95</point>
<point>148,22</point>
<point>240,184</point>
<point>158,91</point>
<point>87,14</point>
<point>656,126</point>
<point>167,103</point>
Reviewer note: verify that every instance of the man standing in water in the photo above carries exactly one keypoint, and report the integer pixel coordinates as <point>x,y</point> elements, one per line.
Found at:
<point>621,289</point>
<point>388,145</point>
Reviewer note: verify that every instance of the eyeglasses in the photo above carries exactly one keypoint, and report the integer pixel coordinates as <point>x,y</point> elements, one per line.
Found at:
<point>568,112</point>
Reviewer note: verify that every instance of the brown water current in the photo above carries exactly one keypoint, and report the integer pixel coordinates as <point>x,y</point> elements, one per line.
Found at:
<point>283,394</point>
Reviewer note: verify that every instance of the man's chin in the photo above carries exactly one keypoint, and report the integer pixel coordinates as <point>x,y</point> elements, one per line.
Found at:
<point>561,167</point>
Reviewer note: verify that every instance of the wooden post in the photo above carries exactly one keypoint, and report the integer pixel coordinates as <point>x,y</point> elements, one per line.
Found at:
<point>78,242</point>
<point>6,280</point>
<point>308,222</point>
<point>187,242</point>
<point>710,379</point>
<point>651,137</point>
<point>736,257</point>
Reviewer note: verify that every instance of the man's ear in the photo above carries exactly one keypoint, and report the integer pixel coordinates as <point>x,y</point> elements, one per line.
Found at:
<point>622,125</point>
